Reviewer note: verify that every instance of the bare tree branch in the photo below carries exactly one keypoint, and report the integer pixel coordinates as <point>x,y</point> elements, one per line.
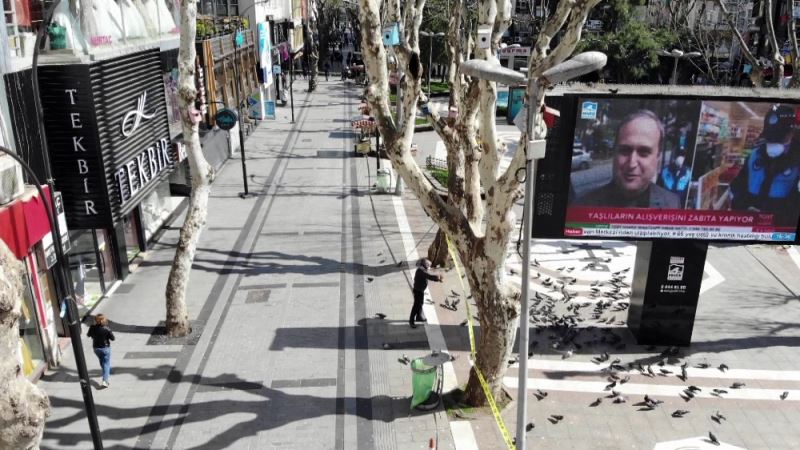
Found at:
<point>757,71</point>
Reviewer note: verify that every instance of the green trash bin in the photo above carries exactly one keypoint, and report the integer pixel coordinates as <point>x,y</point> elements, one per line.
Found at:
<point>423,378</point>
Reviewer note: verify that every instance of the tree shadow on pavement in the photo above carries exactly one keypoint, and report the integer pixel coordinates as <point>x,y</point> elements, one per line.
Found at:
<point>272,262</point>
<point>269,409</point>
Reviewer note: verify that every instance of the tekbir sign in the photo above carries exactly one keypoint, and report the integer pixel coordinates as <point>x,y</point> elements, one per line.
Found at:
<point>226,119</point>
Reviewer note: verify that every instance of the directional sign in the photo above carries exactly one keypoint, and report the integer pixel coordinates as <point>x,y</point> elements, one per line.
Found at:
<point>226,119</point>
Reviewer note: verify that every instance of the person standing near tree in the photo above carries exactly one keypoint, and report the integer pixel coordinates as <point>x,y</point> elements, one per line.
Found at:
<point>101,342</point>
<point>421,278</point>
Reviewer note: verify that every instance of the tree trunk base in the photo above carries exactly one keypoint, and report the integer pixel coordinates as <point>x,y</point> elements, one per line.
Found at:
<point>437,252</point>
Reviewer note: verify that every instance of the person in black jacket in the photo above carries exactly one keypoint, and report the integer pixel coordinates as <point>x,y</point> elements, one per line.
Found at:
<point>101,342</point>
<point>421,278</point>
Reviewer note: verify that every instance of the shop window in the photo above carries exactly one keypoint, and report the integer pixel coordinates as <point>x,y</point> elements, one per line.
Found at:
<point>22,20</point>
<point>91,264</point>
<point>131,226</point>
<point>30,342</point>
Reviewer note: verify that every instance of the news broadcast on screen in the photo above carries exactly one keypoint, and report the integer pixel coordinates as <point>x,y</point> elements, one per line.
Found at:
<point>677,168</point>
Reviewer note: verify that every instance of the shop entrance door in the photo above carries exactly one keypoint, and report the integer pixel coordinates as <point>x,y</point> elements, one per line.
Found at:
<point>91,264</point>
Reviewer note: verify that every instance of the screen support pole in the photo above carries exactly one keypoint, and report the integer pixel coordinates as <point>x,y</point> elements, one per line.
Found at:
<point>527,228</point>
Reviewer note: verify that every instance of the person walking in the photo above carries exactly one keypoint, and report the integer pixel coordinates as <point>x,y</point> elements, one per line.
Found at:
<point>421,277</point>
<point>101,342</point>
<point>327,67</point>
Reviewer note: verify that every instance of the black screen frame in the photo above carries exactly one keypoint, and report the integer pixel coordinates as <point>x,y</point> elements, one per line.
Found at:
<point>554,170</point>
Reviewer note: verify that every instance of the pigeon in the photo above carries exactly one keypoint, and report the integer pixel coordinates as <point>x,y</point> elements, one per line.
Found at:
<point>358,296</point>
<point>737,385</point>
<point>387,346</point>
<point>404,359</point>
<point>688,393</point>
<point>557,417</point>
<point>369,279</point>
<point>610,386</point>
<point>703,366</point>
<point>723,367</point>
<point>683,376</point>
<point>615,393</point>
<point>567,354</point>
<point>620,399</point>
<point>596,402</point>
<point>694,389</point>
<point>529,426</point>
<point>665,371</point>
<point>650,371</point>
<point>461,415</point>
<point>464,323</point>
<point>380,316</point>
<point>685,396</point>
<point>784,395</point>
<point>717,417</point>
<point>713,438</point>
<point>541,393</point>
<point>678,413</point>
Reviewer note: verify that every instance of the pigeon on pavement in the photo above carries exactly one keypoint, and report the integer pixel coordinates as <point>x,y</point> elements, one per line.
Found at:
<point>713,438</point>
<point>784,395</point>
<point>596,402</point>
<point>678,413</point>
<point>737,385</point>
<point>380,316</point>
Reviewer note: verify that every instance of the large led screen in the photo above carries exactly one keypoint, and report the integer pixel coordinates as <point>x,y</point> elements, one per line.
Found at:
<point>684,169</point>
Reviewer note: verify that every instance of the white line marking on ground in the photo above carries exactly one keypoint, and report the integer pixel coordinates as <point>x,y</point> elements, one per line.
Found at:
<point>553,365</point>
<point>714,278</point>
<point>792,251</point>
<point>434,332</point>
<point>463,437</point>
<point>661,390</point>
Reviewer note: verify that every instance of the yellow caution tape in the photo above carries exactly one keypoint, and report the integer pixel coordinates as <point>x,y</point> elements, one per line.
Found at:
<point>485,386</point>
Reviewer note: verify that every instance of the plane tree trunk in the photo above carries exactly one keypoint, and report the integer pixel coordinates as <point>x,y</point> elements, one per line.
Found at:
<point>177,322</point>
<point>23,405</point>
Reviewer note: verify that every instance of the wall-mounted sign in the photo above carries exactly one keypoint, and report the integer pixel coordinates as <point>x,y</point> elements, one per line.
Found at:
<point>132,119</point>
<point>515,51</point>
<point>226,119</point>
<point>141,170</point>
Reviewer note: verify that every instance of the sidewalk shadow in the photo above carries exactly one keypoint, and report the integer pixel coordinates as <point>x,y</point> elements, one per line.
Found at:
<point>272,262</point>
<point>270,409</point>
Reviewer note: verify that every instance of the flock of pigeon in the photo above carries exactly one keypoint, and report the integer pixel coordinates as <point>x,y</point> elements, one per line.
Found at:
<point>570,317</point>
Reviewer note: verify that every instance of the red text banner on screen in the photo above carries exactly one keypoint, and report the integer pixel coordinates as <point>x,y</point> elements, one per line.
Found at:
<point>674,224</point>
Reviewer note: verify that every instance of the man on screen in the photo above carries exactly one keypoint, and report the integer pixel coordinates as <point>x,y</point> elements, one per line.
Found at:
<point>637,152</point>
<point>768,181</point>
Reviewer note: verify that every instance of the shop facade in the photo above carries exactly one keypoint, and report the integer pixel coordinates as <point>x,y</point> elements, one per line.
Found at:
<point>113,157</point>
<point>25,229</point>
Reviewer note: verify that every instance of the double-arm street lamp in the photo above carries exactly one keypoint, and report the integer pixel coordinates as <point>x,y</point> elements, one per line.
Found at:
<point>579,65</point>
<point>676,55</point>
<point>430,35</point>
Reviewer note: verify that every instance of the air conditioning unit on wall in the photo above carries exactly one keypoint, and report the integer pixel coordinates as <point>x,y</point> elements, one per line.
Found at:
<point>11,182</point>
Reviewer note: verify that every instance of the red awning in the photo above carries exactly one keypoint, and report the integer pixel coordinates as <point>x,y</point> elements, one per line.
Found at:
<point>23,222</point>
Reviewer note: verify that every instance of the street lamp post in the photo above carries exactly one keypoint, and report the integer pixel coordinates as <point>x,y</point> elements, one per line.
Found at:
<point>676,55</point>
<point>534,149</point>
<point>237,81</point>
<point>430,35</point>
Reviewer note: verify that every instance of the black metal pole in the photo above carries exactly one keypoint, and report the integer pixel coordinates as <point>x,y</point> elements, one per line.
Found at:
<point>66,289</point>
<point>377,147</point>
<point>73,319</point>
<point>291,84</point>
<point>239,113</point>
